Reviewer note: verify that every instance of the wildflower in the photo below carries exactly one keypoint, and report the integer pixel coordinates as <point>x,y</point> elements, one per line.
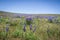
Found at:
<point>24,29</point>
<point>34,29</point>
<point>30,26</point>
<point>50,19</point>
<point>45,16</point>
<point>28,20</point>
<point>41,17</point>
<point>7,29</point>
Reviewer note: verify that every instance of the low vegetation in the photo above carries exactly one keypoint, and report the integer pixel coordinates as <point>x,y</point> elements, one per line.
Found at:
<point>31,28</point>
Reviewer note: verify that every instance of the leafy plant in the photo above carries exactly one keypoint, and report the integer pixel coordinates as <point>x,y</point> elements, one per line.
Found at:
<point>3,35</point>
<point>30,36</point>
<point>17,33</point>
<point>28,21</point>
<point>13,23</point>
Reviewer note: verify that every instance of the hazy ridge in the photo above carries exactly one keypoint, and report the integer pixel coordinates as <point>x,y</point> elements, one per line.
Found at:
<point>10,14</point>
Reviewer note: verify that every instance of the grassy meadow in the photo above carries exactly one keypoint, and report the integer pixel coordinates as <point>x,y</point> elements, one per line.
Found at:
<point>40,28</point>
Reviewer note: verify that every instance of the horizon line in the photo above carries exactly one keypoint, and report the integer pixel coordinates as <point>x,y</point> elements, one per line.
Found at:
<point>27,13</point>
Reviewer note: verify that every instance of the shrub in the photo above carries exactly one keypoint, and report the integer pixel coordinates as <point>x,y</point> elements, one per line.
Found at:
<point>17,33</point>
<point>2,20</point>
<point>3,35</point>
<point>30,36</point>
<point>56,20</point>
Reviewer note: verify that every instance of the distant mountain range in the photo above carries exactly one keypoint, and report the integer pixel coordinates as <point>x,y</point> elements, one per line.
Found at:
<point>10,14</point>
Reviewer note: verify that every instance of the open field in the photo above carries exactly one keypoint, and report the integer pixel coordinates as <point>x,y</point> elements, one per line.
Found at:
<point>43,27</point>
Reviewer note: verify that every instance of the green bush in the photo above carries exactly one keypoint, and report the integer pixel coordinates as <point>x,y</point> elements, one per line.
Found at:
<point>17,33</point>
<point>30,36</point>
<point>2,20</point>
<point>3,35</point>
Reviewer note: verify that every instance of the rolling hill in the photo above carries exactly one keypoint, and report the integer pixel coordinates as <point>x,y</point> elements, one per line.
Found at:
<point>10,14</point>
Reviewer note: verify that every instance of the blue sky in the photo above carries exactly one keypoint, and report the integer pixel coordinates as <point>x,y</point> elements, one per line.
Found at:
<point>31,6</point>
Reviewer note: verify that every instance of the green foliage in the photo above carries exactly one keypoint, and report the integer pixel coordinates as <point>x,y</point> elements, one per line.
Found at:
<point>40,33</point>
<point>28,22</point>
<point>55,20</point>
<point>50,20</point>
<point>2,20</point>
<point>7,22</point>
<point>17,33</point>
<point>51,33</point>
<point>3,34</point>
<point>13,23</point>
<point>30,36</point>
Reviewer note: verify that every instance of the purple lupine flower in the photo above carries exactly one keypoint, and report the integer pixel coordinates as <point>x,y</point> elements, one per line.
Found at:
<point>45,16</point>
<point>41,16</point>
<point>7,29</point>
<point>29,18</point>
<point>30,26</point>
<point>34,29</point>
<point>24,29</point>
<point>50,19</point>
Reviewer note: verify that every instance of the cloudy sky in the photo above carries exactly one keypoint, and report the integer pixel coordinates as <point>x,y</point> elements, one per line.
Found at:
<point>31,6</point>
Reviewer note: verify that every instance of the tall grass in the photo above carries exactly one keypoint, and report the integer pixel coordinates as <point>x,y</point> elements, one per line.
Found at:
<point>36,29</point>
